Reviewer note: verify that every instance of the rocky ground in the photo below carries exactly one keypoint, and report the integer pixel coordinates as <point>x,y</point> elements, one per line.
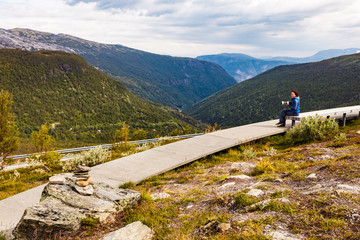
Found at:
<point>264,190</point>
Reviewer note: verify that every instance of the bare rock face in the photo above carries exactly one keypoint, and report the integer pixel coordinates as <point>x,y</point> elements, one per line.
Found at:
<point>133,231</point>
<point>62,208</point>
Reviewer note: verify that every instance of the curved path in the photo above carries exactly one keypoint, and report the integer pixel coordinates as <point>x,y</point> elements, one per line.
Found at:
<point>143,165</point>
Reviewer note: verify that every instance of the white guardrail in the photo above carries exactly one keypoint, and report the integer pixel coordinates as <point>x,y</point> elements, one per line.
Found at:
<point>80,149</point>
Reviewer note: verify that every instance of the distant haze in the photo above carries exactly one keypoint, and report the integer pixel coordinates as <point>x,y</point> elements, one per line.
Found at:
<point>243,67</point>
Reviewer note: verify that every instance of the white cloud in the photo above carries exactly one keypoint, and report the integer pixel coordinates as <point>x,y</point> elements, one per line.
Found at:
<point>196,27</point>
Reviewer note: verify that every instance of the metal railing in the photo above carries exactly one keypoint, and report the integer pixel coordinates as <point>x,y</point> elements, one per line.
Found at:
<point>80,149</point>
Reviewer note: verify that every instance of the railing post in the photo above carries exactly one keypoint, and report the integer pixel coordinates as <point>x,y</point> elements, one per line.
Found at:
<point>344,119</point>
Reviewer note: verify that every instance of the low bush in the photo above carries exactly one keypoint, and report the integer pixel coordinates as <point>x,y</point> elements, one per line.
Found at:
<point>243,199</point>
<point>89,158</point>
<point>248,153</point>
<point>312,129</point>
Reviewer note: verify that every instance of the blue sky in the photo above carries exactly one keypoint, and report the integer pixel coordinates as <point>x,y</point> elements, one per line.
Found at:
<point>196,27</point>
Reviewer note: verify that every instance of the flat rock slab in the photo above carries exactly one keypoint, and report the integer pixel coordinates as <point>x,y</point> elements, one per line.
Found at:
<point>133,231</point>
<point>282,235</point>
<point>62,209</point>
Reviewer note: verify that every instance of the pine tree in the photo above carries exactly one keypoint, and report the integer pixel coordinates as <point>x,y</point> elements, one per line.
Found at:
<point>8,139</point>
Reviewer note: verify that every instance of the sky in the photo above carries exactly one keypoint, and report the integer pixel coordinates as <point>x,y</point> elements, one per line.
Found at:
<point>189,28</point>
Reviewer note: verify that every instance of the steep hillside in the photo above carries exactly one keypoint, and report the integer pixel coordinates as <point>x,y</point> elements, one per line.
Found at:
<point>54,86</point>
<point>241,66</point>
<point>172,81</point>
<point>327,84</point>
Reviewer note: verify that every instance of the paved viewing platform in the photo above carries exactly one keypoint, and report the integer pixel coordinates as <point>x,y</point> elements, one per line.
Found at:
<point>140,166</point>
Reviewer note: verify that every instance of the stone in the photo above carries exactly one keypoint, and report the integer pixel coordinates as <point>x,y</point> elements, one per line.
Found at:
<point>122,197</point>
<point>84,183</point>
<point>156,196</point>
<point>358,132</point>
<point>241,177</point>
<point>344,188</point>
<point>86,175</point>
<point>223,227</point>
<point>227,185</point>
<point>58,179</point>
<point>267,201</point>
<point>324,157</point>
<point>62,207</point>
<point>311,159</point>
<point>133,231</point>
<point>83,168</point>
<point>278,180</point>
<point>282,235</point>
<point>311,176</point>
<point>49,216</point>
<point>85,191</point>
<point>244,167</point>
<point>255,192</point>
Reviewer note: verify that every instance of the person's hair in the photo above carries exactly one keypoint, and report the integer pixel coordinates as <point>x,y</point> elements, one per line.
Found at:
<point>296,92</point>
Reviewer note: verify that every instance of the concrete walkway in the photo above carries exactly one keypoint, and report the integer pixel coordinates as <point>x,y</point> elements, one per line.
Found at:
<point>140,166</point>
<point>143,165</point>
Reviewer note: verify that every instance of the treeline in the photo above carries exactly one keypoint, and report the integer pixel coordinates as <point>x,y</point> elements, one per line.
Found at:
<point>326,84</point>
<point>59,88</point>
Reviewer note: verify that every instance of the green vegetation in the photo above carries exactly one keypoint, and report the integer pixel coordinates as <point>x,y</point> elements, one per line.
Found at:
<point>44,165</point>
<point>313,129</point>
<point>41,140</point>
<point>198,203</point>
<point>173,81</point>
<point>78,101</point>
<point>258,99</point>
<point>244,200</point>
<point>8,131</point>
<point>89,158</point>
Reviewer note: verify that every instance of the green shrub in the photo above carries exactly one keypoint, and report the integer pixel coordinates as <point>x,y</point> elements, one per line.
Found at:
<point>264,166</point>
<point>243,199</point>
<point>89,158</point>
<point>89,221</point>
<point>2,236</point>
<point>127,185</point>
<point>312,129</point>
<point>248,153</point>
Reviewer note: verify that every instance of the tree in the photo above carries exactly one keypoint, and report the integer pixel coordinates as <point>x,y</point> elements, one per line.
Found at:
<point>41,140</point>
<point>8,139</point>
<point>139,134</point>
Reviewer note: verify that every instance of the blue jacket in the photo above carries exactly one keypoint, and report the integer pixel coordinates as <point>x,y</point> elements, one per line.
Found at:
<point>295,105</point>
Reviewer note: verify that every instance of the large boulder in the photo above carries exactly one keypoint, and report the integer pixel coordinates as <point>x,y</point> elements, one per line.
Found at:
<point>133,231</point>
<point>62,209</point>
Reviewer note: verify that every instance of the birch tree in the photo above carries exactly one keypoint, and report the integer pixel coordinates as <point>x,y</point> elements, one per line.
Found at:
<point>8,139</point>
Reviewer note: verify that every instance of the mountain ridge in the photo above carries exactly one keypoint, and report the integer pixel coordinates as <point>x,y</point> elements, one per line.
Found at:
<point>326,84</point>
<point>243,67</point>
<point>174,81</point>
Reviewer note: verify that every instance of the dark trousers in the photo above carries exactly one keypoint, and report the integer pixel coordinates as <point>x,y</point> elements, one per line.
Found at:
<point>286,112</point>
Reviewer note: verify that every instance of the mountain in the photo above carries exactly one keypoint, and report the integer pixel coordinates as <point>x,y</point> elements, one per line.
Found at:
<point>172,81</point>
<point>241,66</point>
<point>319,56</point>
<point>59,87</point>
<point>326,84</point>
